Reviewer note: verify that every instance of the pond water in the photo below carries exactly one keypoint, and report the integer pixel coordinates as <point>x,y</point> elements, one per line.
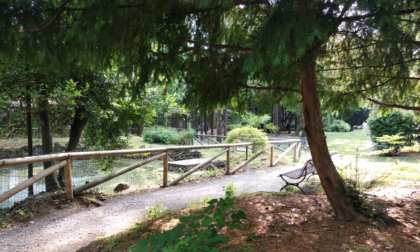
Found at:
<point>146,176</point>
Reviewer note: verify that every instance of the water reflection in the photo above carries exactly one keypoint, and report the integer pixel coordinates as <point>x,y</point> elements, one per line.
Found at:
<point>149,175</point>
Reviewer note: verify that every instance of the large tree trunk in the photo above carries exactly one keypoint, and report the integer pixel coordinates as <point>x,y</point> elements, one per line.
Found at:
<point>51,183</point>
<point>139,129</point>
<point>29,131</point>
<point>330,179</point>
<point>79,123</point>
<point>225,121</point>
<point>276,116</point>
<point>219,125</point>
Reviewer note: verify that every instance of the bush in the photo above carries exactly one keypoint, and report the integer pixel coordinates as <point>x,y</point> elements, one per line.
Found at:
<point>338,126</point>
<point>164,135</point>
<point>391,125</point>
<point>248,134</point>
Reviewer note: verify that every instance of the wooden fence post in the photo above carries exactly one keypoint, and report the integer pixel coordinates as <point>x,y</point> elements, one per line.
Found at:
<point>165,169</point>
<point>272,155</point>
<point>295,152</point>
<point>69,184</point>
<point>246,152</point>
<point>228,161</point>
<point>300,149</point>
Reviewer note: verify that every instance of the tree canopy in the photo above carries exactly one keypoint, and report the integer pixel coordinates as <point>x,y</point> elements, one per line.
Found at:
<point>339,52</point>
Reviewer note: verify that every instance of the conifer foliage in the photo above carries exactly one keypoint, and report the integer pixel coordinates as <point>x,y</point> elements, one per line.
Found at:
<point>341,52</point>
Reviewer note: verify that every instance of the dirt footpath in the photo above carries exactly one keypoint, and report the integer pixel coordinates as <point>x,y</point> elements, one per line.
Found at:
<point>73,229</point>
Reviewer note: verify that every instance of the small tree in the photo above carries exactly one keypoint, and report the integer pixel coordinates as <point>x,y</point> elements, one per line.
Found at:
<point>248,134</point>
<point>392,124</point>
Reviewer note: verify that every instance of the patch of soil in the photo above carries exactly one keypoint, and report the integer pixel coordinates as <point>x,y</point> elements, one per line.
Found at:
<point>43,206</point>
<point>294,223</point>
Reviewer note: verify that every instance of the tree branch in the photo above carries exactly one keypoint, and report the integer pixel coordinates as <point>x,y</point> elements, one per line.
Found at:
<point>59,11</point>
<point>367,89</point>
<point>393,105</point>
<point>273,88</point>
<point>220,46</point>
<point>361,17</point>
<point>351,68</point>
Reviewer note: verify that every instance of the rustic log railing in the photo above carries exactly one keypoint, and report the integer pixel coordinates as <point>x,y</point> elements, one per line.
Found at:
<point>65,161</point>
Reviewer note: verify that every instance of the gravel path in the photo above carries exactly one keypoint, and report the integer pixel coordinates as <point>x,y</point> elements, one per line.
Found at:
<point>75,229</point>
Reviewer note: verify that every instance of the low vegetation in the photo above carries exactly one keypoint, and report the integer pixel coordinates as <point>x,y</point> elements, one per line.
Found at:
<point>162,135</point>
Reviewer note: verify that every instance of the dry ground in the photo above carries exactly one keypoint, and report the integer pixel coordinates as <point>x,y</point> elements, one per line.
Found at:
<point>297,223</point>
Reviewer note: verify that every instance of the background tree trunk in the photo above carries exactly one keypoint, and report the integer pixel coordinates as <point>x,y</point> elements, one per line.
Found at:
<point>29,131</point>
<point>139,129</point>
<point>63,131</point>
<point>201,125</point>
<point>80,120</point>
<point>302,121</point>
<point>193,122</point>
<point>51,182</point>
<point>219,125</point>
<point>8,116</point>
<point>280,119</point>
<point>212,123</point>
<point>205,124</point>
<point>225,121</point>
<point>276,116</point>
<point>330,179</point>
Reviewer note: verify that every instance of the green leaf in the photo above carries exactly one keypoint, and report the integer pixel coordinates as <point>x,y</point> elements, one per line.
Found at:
<point>206,222</point>
<point>184,219</point>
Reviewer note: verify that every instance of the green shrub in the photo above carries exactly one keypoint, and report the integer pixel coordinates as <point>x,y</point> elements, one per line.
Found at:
<point>202,232</point>
<point>158,211</point>
<point>338,126</point>
<point>390,125</point>
<point>248,134</point>
<point>162,135</point>
<point>230,190</point>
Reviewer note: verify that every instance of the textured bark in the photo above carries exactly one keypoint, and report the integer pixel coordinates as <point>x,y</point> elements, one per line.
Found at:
<point>219,125</point>
<point>51,182</point>
<point>29,131</point>
<point>330,179</point>
<point>224,121</point>
<point>276,116</point>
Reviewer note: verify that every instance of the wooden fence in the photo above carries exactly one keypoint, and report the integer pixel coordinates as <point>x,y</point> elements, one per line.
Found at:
<point>65,159</point>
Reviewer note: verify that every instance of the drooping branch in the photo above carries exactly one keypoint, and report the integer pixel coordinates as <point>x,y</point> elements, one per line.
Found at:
<point>273,88</point>
<point>354,68</point>
<point>362,17</point>
<point>393,105</point>
<point>221,46</point>
<point>57,14</point>
<point>367,89</point>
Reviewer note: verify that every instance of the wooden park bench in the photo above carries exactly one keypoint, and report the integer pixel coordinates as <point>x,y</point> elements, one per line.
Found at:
<point>298,175</point>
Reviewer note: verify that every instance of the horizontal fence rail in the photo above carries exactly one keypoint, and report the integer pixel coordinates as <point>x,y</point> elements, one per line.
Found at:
<point>65,161</point>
